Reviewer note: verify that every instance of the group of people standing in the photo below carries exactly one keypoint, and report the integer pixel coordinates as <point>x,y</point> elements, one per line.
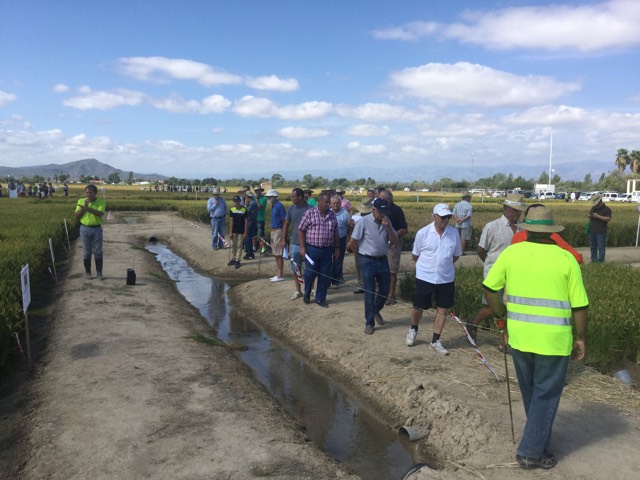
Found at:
<point>539,316</point>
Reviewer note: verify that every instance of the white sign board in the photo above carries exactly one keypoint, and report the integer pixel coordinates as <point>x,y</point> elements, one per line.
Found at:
<point>26,288</point>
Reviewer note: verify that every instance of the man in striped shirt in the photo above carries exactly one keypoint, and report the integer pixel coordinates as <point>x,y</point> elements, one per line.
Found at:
<point>319,244</point>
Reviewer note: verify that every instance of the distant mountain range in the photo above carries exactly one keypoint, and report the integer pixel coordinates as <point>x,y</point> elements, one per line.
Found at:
<point>75,170</point>
<point>428,173</point>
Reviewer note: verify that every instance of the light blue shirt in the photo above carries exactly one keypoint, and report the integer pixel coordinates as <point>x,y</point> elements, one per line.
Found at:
<point>343,218</point>
<point>217,207</point>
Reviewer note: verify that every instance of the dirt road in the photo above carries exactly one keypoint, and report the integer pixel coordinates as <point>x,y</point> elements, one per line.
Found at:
<point>121,392</point>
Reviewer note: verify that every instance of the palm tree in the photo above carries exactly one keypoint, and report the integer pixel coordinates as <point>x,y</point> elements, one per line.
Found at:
<point>635,161</point>
<point>622,159</point>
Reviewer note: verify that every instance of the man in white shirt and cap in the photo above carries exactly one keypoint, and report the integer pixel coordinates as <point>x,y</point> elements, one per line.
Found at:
<point>435,249</point>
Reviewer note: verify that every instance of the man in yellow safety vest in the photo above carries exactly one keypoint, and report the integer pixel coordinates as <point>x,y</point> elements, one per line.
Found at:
<point>538,315</point>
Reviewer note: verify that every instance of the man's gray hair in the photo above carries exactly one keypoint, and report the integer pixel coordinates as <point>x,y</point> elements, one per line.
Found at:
<point>387,195</point>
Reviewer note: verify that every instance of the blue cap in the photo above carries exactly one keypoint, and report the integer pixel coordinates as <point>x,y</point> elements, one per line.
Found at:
<point>237,198</point>
<point>381,205</point>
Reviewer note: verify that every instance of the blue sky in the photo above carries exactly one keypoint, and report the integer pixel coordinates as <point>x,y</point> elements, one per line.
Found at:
<point>194,89</point>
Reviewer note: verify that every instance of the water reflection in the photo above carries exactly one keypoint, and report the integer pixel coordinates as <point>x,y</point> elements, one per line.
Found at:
<point>334,422</point>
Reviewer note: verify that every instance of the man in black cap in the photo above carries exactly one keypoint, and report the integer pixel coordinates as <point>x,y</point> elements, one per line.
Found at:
<point>370,239</point>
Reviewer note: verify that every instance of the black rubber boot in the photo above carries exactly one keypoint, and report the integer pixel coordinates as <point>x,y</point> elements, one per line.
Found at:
<point>87,266</point>
<point>99,267</point>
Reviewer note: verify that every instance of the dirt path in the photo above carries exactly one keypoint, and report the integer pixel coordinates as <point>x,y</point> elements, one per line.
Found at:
<point>121,393</point>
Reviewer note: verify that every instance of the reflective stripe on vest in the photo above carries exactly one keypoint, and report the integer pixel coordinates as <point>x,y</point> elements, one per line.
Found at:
<point>560,321</point>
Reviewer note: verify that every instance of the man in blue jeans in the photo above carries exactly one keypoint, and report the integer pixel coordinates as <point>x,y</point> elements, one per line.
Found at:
<point>370,239</point>
<point>319,245</point>
<point>541,334</point>
<point>599,217</point>
<point>217,211</point>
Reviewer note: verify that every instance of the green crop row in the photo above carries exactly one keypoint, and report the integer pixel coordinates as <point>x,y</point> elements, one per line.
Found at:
<point>25,229</point>
<point>613,334</point>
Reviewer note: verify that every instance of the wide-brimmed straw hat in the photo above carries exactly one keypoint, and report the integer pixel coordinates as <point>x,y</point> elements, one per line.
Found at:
<point>364,207</point>
<point>514,201</point>
<point>595,199</point>
<point>540,219</point>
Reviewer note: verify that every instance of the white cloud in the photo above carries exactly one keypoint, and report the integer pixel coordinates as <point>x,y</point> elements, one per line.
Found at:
<point>60,88</point>
<point>304,111</point>
<point>250,106</point>
<point>272,82</point>
<point>176,104</point>
<point>471,84</point>
<point>89,99</point>
<point>584,28</point>
<point>548,115</point>
<point>362,130</point>
<point>299,132</point>
<point>6,98</point>
<point>384,112</point>
<point>159,69</point>
<point>370,149</point>
<point>162,70</point>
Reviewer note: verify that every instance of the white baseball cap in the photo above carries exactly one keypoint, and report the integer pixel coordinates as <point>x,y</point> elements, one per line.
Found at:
<point>442,210</point>
<point>271,193</point>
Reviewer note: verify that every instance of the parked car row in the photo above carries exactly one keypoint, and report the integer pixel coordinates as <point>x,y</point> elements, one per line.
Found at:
<point>612,196</point>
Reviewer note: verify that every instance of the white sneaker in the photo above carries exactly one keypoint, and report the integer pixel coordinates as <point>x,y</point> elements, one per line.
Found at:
<point>296,295</point>
<point>313,292</point>
<point>277,279</point>
<point>411,337</point>
<point>437,346</point>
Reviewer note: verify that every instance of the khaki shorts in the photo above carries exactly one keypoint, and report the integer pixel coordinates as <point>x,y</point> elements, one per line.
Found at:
<point>393,256</point>
<point>465,233</point>
<point>276,242</point>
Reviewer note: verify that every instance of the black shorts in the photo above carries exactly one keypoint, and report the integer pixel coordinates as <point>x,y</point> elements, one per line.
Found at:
<point>444,294</point>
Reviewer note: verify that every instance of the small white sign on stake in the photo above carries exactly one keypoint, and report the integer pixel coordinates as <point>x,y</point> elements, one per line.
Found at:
<point>53,260</point>
<point>26,288</point>
<point>26,300</point>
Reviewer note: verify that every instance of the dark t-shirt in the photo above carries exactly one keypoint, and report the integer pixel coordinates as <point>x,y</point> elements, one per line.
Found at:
<point>396,215</point>
<point>237,218</point>
<point>294,215</point>
<point>596,225</point>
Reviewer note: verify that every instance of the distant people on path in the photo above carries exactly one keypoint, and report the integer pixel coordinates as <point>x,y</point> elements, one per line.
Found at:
<point>496,236</point>
<point>292,219</point>
<point>370,240</point>
<point>462,213</point>
<point>572,197</point>
<point>599,218</point>
<point>278,215</point>
<point>399,224</point>
<point>538,315</point>
<point>238,229</point>
<point>217,208</point>
<point>319,244</point>
<point>342,217</point>
<point>435,250</point>
<point>90,212</point>
<point>65,189</point>
<point>252,224</point>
